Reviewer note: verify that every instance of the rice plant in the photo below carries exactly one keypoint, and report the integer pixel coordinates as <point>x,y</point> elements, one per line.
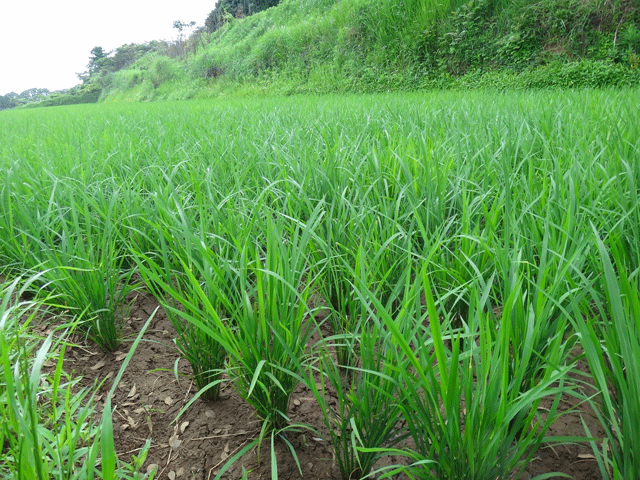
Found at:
<point>336,259</point>
<point>86,266</point>
<point>611,343</point>
<point>180,252</point>
<point>463,408</point>
<point>240,211</point>
<point>368,416</point>
<point>48,429</point>
<point>273,325</point>
<point>268,327</point>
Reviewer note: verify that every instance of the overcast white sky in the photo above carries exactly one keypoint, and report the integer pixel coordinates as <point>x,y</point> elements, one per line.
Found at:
<point>43,43</point>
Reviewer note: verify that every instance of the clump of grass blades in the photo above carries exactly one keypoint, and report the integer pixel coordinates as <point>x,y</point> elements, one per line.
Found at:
<point>346,313</point>
<point>334,261</point>
<point>47,427</point>
<point>206,357</point>
<point>169,273</point>
<point>357,243</point>
<point>612,348</point>
<point>26,426</point>
<point>94,291</point>
<point>462,410</point>
<point>264,290</point>
<point>367,415</point>
<point>86,266</point>
<point>273,327</point>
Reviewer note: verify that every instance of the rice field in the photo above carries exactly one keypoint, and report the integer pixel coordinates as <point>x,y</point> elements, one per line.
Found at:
<point>431,268</point>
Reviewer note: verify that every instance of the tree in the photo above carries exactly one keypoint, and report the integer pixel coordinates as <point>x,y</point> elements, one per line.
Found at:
<point>96,61</point>
<point>6,102</point>
<point>34,94</point>
<point>125,55</point>
<point>11,100</point>
<point>226,9</point>
<point>182,26</point>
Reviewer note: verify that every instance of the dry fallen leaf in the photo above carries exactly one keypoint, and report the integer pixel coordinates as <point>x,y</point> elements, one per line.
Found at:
<point>151,467</point>
<point>98,365</point>
<point>174,441</point>
<point>168,401</point>
<point>132,422</point>
<point>225,453</point>
<point>139,410</point>
<point>183,426</point>
<point>586,456</point>
<point>180,472</point>
<point>132,392</point>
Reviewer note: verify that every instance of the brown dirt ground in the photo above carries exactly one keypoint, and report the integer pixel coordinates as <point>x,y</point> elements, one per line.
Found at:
<point>150,396</point>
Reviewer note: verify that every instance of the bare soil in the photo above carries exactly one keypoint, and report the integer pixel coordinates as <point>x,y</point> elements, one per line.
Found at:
<point>196,445</point>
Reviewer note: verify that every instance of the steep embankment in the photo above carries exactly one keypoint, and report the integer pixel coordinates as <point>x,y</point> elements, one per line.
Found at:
<point>304,46</point>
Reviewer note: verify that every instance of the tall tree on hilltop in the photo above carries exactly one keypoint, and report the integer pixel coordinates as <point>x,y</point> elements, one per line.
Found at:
<point>237,9</point>
<point>96,60</point>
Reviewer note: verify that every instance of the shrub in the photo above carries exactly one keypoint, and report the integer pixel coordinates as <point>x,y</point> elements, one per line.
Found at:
<point>162,69</point>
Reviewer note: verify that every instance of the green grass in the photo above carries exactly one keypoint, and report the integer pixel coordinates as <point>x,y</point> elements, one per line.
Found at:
<point>329,46</point>
<point>611,344</point>
<point>48,428</point>
<point>461,237</point>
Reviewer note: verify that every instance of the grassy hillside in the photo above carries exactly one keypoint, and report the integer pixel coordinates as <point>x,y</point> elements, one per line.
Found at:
<point>322,46</point>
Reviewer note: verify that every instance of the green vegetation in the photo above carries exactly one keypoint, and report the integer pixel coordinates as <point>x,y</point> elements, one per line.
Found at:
<point>324,46</point>
<point>12,100</point>
<point>460,247</point>
<point>48,428</point>
<point>612,349</point>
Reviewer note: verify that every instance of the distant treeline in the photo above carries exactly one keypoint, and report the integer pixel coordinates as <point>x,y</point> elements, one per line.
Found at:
<point>12,100</point>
